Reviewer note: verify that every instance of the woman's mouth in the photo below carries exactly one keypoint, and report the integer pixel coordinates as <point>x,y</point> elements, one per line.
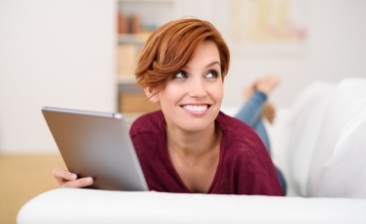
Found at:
<point>196,108</point>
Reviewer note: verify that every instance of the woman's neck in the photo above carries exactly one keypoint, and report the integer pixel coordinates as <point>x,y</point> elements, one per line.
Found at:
<point>195,156</point>
<point>193,144</point>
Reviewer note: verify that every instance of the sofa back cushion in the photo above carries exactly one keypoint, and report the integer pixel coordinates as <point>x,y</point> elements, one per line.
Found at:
<point>304,123</point>
<point>338,163</point>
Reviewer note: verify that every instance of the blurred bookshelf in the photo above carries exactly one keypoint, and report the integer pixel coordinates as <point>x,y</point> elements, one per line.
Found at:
<point>136,20</point>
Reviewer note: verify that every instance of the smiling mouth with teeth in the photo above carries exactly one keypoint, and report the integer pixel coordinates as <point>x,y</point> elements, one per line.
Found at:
<point>196,107</point>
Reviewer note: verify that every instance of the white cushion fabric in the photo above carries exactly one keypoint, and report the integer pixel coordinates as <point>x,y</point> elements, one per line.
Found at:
<point>338,168</point>
<point>304,123</point>
<point>97,206</point>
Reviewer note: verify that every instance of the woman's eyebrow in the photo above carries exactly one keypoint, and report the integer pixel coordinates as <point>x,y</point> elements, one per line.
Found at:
<point>213,63</point>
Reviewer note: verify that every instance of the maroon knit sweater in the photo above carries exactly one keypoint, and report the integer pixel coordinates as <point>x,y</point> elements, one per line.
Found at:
<point>244,167</point>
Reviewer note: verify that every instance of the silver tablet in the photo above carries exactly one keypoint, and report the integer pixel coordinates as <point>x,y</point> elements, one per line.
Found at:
<point>98,145</point>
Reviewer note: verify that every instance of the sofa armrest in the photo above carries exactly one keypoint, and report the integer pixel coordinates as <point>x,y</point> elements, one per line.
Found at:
<point>97,206</point>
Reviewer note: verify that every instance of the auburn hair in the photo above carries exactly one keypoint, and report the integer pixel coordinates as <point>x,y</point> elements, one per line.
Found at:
<point>172,46</point>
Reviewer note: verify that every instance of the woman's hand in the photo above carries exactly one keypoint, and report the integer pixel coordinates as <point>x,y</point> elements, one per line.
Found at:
<point>67,179</point>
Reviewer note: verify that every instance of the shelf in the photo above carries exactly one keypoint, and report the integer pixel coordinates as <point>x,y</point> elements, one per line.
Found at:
<point>126,79</point>
<point>137,39</point>
<point>136,20</point>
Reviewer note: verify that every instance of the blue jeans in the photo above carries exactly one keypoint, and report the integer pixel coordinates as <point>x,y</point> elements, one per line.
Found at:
<point>251,114</point>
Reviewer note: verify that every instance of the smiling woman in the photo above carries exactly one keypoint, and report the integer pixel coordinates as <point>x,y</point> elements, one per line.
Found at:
<point>182,67</point>
<point>190,145</point>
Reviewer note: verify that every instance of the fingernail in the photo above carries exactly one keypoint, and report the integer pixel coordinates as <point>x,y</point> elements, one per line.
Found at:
<point>89,180</point>
<point>74,176</point>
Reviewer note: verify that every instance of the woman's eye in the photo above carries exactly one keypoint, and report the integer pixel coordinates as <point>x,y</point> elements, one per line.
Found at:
<point>212,74</point>
<point>180,75</point>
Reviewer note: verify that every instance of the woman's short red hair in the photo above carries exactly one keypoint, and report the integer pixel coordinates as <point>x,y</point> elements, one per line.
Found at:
<point>172,46</point>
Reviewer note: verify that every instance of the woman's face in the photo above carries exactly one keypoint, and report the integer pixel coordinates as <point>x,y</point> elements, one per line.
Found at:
<point>191,101</point>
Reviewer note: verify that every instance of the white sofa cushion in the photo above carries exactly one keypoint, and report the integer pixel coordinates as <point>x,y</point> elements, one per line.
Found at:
<point>303,125</point>
<point>98,206</point>
<point>338,166</point>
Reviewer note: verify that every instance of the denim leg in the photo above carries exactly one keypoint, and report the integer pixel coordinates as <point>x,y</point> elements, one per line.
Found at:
<point>251,111</point>
<point>251,114</point>
<point>282,180</point>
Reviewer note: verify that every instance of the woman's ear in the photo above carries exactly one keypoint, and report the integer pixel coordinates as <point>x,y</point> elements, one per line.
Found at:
<point>151,95</point>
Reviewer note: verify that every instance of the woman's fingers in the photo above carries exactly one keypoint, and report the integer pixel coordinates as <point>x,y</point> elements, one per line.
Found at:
<point>79,183</point>
<point>68,179</point>
<point>63,176</point>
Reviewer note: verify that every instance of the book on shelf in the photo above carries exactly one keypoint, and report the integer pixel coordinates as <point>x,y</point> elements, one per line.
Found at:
<point>128,24</point>
<point>126,59</point>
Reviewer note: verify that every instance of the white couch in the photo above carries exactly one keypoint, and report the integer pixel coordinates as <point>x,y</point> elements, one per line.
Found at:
<point>319,143</point>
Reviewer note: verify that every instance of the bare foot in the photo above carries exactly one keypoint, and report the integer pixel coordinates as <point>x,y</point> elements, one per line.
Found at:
<point>269,112</point>
<point>267,83</point>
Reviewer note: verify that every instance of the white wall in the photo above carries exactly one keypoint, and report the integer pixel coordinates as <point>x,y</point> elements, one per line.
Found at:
<point>56,53</point>
<point>336,48</point>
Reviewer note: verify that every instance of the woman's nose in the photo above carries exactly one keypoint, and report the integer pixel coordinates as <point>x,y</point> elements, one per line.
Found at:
<point>197,88</point>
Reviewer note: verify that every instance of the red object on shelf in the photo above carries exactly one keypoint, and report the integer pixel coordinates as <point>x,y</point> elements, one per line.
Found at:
<point>122,26</point>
